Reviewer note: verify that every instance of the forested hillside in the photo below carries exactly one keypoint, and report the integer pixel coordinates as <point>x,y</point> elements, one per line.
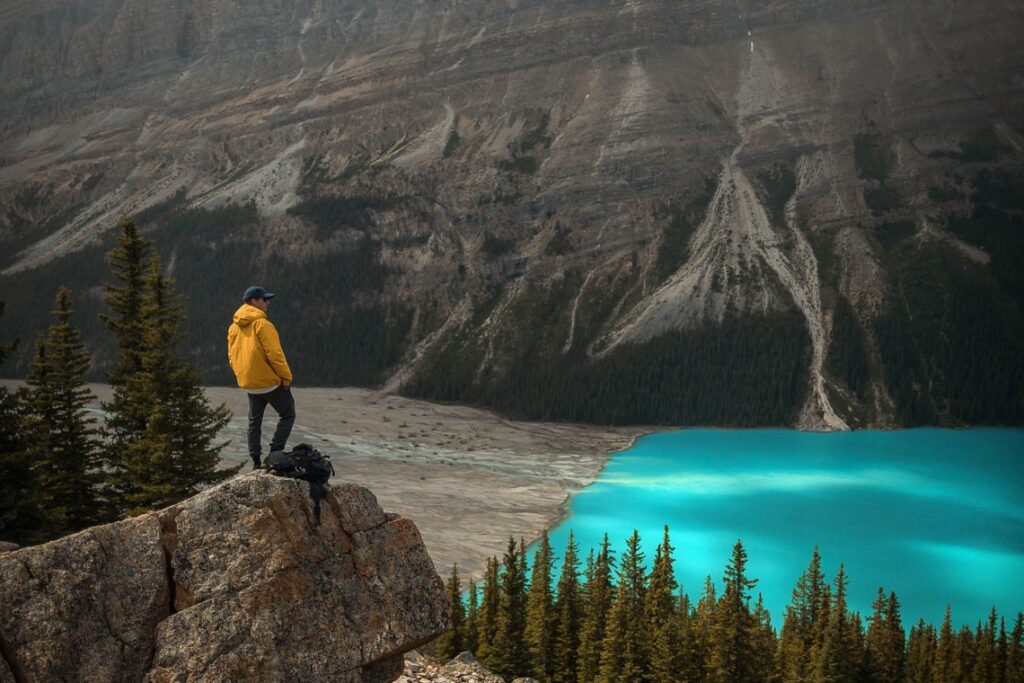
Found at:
<point>793,213</point>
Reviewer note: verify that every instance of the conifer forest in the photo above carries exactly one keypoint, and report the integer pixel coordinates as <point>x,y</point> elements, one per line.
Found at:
<point>625,619</point>
<point>60,471</point>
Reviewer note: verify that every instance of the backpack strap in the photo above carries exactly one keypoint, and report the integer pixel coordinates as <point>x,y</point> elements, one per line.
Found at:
<point>317,492</point>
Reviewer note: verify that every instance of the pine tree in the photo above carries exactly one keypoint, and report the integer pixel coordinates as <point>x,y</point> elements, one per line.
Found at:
<point>985,666</point>
<point>568,608</point>
<point>858,648</point>
<point>837,659</point>
<point>510,654</point>
<point>452,642</point>
<point>732,653</point>
<point>129,410</point>
<point>1015,652</point>
<point>624,650</point>
<point>487,628</point>
<point>921,653</point>
<point>801,625</point>
<point>704,628</point>
<point>946,651</point>
<point>540,614</point>
<point>886,640</point>
<point>22,517</point>
<point>897,661</point>
<point>660,615</point>
<point>763,637</point>
<point>125,300</point>
<point>60,439</point>
<point>963,660</point>
<point>598,598</point>
<point>690,665</point>
<point>614,643</point>
<point>173,456</point>
<point>788,663</point>
<point>1002,649</point>
<point>472,619</point>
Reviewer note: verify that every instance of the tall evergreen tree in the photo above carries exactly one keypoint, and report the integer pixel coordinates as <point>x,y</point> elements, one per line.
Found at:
<point>946,651</point>
<point>704,619</point>
<point>487,627</point>
<point>732,655</point>
<point>963,659</point>
<point>1015,652</point>
<point>921,653</point>
<point>897,639</point>
<point>129,409</point>
<point>125,299</point>
<point>162,425</point>
<point>540,614</point>
<point>60,439</point>
<point>665,659</point>
<point>689,657</point>
<point>886,640</point>
<point>21,513</point>
<point>512,657</point>
<point>802,624</point>
<point>624,650</point>
<point>1002,649</point>
<point>598,599</point>
<point>568,613</point>
<point>452,642</point>
<point>837,660</point>
<point>763,637</point>
<point>986,664</point>
<point>472,619</point>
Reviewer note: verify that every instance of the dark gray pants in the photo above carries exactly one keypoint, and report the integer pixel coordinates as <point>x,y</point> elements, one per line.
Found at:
<point>280,400</point>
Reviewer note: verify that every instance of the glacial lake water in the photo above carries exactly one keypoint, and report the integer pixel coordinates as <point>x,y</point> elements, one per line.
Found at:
<point>936,515</point>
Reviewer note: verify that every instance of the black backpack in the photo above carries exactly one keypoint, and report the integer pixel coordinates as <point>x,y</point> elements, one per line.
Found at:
<point>306,463</point>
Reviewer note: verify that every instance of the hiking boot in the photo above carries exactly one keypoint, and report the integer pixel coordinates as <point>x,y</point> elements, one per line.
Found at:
<point>256,464</point>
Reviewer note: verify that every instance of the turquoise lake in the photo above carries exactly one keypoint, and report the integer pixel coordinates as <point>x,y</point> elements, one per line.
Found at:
<point>935,515</point>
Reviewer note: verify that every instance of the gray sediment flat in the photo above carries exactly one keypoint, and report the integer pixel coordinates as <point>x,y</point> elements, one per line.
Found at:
<point>468,477</point>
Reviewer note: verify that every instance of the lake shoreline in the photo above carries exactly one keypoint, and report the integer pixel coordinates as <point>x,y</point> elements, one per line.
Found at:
<point>467,477</point>
<point>946,502</point>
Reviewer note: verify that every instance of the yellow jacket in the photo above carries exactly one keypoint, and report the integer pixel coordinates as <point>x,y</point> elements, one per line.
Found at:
<point>254,350</point>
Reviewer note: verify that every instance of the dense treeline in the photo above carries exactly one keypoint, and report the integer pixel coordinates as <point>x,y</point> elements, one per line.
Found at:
<point>847,358</point>
<point>748,371</point>
<point>334,329</point>
<point>950,342</point>
<point>948,337</point>
<point>611,620</point>
<point>945,341</point>
<point>60,471</point>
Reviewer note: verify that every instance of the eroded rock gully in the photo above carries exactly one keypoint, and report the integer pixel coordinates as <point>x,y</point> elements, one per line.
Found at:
<point>235,583</point>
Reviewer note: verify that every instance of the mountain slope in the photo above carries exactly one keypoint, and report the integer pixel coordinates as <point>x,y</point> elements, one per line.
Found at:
<point>532,206</point>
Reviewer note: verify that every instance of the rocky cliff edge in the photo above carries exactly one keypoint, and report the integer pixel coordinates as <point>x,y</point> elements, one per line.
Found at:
<point>236,583</point>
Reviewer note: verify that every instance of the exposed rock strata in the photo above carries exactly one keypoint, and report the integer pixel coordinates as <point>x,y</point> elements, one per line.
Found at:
<point>508,120</point>
<point>236,583</point>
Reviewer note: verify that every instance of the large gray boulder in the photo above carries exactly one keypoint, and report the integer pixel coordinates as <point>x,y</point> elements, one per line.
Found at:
<point>237,583</point>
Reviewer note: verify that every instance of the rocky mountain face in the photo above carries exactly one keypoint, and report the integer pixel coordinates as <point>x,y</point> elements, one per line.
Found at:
<point>789,212</point>
<point>237,583</point>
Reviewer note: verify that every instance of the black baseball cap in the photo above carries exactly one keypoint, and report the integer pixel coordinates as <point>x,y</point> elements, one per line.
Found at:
<point>256,292</point>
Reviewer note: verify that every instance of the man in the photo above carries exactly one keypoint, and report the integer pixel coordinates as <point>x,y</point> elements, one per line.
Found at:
<point>256,356</point>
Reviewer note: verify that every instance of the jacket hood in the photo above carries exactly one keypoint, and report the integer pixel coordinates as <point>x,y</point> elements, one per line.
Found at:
<point>247,314</point>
